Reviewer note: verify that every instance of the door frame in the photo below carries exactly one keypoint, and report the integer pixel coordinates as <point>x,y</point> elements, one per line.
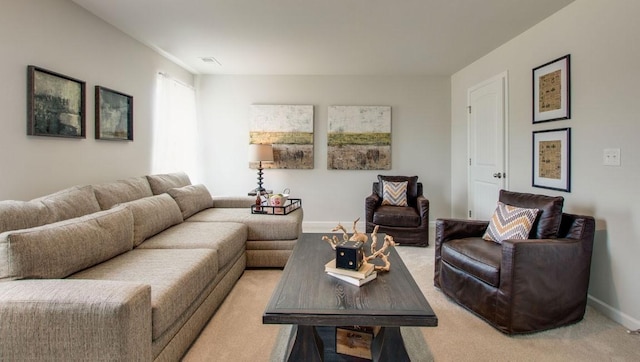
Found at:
<point>504,77</point>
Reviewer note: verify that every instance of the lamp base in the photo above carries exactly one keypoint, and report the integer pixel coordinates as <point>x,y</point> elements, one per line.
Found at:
<point>255,192</point>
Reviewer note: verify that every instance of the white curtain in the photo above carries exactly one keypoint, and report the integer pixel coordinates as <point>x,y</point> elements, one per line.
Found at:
<point>175,128</point>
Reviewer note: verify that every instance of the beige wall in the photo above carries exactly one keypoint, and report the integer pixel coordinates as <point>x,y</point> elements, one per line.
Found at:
<point>601,37</point>
<point>60,36</point>
<point>420,138</point>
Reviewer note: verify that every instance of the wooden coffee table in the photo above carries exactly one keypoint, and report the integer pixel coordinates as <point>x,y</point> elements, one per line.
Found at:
<point>308,298</point>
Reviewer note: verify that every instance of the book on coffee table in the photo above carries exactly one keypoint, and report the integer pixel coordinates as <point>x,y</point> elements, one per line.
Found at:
<point>355,281</point>
<point>361,273</point>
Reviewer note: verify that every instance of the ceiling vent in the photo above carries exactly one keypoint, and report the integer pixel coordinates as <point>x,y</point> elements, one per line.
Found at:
<point>211,60</point>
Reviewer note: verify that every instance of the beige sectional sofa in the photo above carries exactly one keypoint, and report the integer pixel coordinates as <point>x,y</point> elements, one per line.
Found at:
<point>130,270</point>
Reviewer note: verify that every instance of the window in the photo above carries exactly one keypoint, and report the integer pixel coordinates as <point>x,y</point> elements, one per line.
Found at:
<point>175,136</point>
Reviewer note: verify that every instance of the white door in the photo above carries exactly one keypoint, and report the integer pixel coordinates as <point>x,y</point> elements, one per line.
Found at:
<point>487,112</point>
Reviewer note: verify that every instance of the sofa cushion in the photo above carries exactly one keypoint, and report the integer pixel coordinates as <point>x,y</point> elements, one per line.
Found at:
<point>227,238</point>
<point>394,193</point>
<point>70,203</point>
<point>549,216</point>
<point>60,249</point>
<point>476,257</point>
<point>152,215</point>
<point>177,278</point>
<point>191,199</point>
<point>16,215</point>
<point>510,222</point>
<point>163,182</point>
<point>121,191</point>
<point>260,227</point>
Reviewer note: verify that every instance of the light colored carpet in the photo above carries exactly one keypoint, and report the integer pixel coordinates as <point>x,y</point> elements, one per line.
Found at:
<point>236,332</point>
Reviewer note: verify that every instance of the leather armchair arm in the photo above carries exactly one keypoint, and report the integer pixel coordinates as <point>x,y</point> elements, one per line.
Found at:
<point>556,274</point>
<point>371,202</point>
<point>452,229</point>
<point>422,205</point>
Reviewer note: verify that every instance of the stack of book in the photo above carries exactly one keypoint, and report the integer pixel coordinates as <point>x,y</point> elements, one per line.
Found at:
<point>359,277</point>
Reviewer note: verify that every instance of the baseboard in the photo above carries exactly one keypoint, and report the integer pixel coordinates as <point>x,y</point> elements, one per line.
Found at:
<point>613,313</point>
<point>327,226</point>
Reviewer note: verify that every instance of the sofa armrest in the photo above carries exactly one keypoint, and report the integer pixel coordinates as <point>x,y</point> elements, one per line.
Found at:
<point>452,229</point>
<point>556,273</point>
<point>234,201</point>
<point>73,320</point>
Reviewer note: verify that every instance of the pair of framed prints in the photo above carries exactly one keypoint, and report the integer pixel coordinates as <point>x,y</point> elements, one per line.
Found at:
<point>552,147</point>
<point>56,106</point>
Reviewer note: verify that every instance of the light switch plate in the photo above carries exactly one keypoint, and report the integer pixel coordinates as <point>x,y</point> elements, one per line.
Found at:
<point>611,157</point>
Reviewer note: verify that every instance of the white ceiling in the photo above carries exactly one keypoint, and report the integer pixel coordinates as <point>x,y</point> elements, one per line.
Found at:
<point>319,37</point>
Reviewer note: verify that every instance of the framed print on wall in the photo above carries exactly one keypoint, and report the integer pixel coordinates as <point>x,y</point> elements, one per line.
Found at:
<point>55,104</point>
<point>359,138</point>
<point>552,90</point>
<point>114,115</point>
<point>552,159</point>
<point>289,128</point>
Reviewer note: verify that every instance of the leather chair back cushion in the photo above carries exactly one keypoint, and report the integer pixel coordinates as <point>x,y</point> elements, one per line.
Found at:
<point>412,186</point>
<point>475,256</point>
<point>397,216</point>
<point>549,217</point>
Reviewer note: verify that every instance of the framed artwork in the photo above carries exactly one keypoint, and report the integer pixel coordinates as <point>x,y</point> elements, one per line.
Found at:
<point>289,128</point>
<point>55,104</point>
<point>552,159</point>
<point>114,115</point>
<point>359,138</point>
<point>552,90</point>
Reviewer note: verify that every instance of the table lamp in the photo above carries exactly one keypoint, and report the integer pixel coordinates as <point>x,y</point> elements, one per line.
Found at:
<point>260,153</point>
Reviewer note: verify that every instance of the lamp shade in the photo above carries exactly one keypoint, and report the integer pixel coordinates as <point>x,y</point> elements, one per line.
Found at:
<point>260,153</point>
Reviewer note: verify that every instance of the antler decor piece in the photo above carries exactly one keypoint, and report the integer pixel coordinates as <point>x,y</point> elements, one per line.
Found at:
<point>362,237</point>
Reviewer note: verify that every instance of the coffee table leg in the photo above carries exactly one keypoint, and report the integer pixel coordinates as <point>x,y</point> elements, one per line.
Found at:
<point>388,345</point>
<point>308,345</point>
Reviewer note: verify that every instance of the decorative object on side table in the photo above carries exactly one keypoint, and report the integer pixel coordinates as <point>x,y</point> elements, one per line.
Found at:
<point>263,208</point>
<point>114,115</point>
<point>260,153</point>
<point>55,104</point>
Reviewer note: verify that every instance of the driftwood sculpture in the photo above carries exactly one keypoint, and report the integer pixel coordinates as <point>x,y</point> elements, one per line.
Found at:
<point>357,236</point>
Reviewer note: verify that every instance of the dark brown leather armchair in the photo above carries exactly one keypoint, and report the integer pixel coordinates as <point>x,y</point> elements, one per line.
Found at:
<point>409,225</point>
<point>519,286</point>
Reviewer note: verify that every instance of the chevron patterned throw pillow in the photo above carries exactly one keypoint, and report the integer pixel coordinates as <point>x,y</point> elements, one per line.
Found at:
<point>510,222</point>
<point>394,193</point>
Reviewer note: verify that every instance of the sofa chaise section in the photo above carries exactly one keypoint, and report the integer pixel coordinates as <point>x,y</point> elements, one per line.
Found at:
<point>270,238</point>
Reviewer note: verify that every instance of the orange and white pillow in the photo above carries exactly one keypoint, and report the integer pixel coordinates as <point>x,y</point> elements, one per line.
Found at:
<point>394,193</point>
<point>510,222</point>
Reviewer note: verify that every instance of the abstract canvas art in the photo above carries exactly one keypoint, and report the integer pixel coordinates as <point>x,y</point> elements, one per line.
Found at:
<point>289,128</point>
<point>359,138</point>
<point>114,115</point>
<point>55,104</point>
